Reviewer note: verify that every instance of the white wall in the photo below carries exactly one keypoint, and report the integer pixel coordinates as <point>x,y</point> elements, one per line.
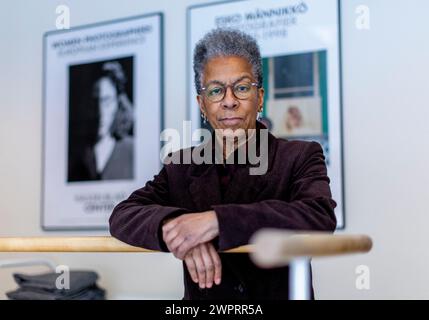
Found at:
<point>386,94</point>
<point>385,152</point>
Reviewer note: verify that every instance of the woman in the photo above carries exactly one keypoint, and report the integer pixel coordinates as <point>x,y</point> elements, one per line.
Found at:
<point>107,153</point>
<point>196,210</point>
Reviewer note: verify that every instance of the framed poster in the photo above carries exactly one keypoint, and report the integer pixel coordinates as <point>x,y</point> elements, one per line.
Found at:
<point>300,48</point>
<point>102,118</point>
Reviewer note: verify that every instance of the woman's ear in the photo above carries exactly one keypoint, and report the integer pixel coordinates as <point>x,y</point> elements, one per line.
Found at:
<point>261,94</point>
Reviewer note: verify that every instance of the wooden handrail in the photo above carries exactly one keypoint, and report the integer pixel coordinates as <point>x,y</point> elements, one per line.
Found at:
<point>268,248</point>
<point>275,248</point>
<point>77,244</point>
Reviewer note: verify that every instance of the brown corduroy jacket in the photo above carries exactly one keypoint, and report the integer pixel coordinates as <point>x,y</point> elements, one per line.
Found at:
<point>293,194</point>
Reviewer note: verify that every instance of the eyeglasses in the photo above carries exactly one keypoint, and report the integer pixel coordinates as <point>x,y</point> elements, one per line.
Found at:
<point>216,92</point>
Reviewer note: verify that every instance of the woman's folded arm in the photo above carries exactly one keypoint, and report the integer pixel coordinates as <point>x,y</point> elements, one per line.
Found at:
<point>138,219</point>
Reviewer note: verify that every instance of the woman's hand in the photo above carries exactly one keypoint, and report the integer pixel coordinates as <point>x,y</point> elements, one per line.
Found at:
<point>189,230</point>
<point>204,265</point>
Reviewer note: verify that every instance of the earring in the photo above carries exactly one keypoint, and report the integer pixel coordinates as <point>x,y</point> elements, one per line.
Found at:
<point>204,118</point>
<point>259,116</point>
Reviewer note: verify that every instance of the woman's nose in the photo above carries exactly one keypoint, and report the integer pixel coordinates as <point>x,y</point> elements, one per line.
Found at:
<point>230,100</point>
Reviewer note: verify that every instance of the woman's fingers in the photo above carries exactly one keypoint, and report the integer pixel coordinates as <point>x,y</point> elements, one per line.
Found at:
<point>179,243</point>
<point>192,268</point>
<point>216,262</point>
<point>204,265</point>
<point>174,245</point>
<point>201,269</point>
<point>208,263</point>
<point>170,225</point>
<point>169,235</point>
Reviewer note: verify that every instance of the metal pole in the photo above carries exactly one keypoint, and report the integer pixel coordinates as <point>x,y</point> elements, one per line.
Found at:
<point>299,279</point>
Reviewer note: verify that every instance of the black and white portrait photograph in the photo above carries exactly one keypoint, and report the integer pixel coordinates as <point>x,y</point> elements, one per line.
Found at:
<point>101,118</point>
<point>103,115</point>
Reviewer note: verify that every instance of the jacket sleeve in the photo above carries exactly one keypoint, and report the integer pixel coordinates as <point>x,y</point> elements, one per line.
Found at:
<point>138,219</point>
<point>310,206</point>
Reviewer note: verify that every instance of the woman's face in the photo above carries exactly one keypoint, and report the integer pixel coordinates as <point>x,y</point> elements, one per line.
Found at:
<point>230,112</point>
<point>108,104</point>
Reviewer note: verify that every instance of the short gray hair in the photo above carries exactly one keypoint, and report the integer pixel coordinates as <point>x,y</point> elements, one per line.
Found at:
<point>223,43</point>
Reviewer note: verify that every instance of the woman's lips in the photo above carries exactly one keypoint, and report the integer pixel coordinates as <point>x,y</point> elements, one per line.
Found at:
<point>231,121</point>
